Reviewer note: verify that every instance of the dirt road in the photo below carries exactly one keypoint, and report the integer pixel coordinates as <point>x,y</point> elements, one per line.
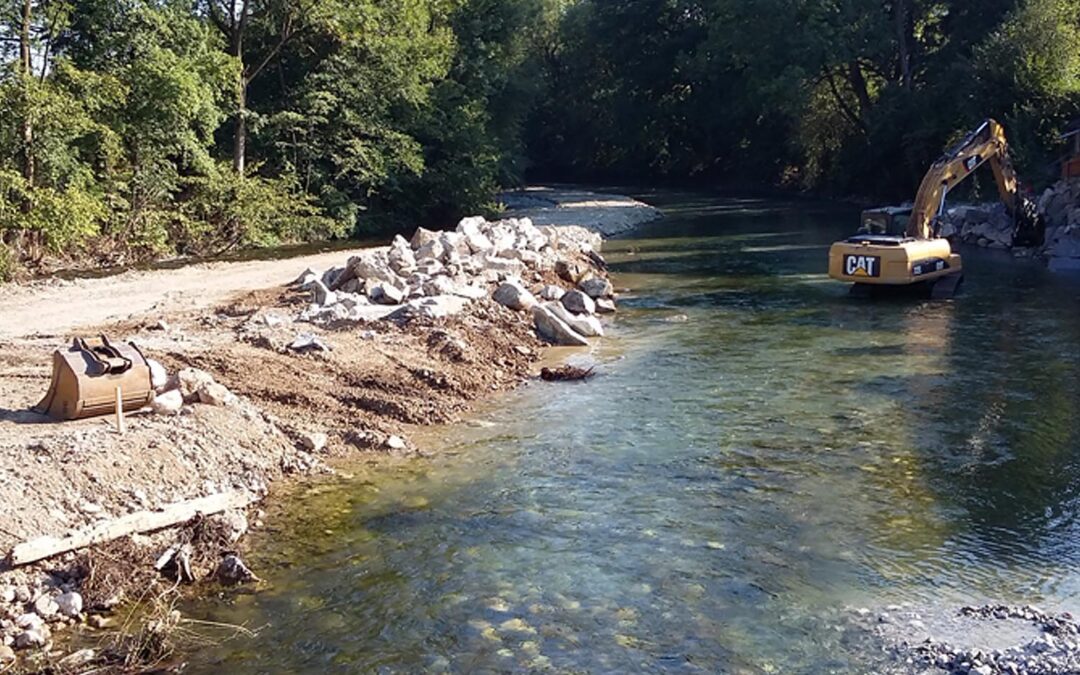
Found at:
<point>54,306</point>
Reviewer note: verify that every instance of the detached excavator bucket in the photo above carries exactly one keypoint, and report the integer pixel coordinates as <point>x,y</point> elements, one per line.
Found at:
<point>85,378</point>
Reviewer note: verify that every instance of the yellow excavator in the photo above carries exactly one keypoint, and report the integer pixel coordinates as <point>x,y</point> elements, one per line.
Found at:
<point>902,247</point>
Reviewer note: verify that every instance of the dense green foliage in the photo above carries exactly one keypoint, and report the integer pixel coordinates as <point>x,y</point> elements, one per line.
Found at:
<point>843,96</point>
<point>141,128</point>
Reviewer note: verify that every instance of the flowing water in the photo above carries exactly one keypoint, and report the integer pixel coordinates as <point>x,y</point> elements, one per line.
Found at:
<point>757,453</point>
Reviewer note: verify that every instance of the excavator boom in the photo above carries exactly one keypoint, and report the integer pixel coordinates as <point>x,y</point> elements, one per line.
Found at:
<point>984,144</point>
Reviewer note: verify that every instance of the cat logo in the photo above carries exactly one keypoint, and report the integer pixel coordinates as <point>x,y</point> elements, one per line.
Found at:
<point>862,265</point>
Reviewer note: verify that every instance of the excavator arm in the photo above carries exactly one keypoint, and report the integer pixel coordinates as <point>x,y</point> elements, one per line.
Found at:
<point>984,144</point>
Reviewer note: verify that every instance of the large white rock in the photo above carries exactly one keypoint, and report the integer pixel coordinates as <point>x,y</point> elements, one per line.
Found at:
<point>216,394</point>
<point>471,225</point>
<point>29,621</point>
<point>552,292</point>
<point>432,250</point>
<point>159,377</point>
<point>597,287</point>
<point>511,293</point>
<point>385,293</point>
<point>429,267</point>
<point>555,330</point>
<point>314,441</point>
<point>373,265</point>
<point>45,607</point>
<point>504,266</point>
<point>422,236</point>
<point>454,243</point>
<point>401,256</point>
<point>578,303</point>
<point>587,325</point>
<point>321,295</point>
<point>470,291</point>
<point>306,277</point>
<point>572,238</point>
<point>440,285</point>
<point>331,276</point>
<point>435,307</point>
<point>529,257</point>
<point>71,604</point>
<point>168,403</point>
<point>479,243</point>
<point>188,381</point>
<point>351,300</point>
<point>30,638</point>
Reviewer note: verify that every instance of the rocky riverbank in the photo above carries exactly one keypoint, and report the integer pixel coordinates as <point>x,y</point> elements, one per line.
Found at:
<point>272,382</point>
<point>990,226</point>
<point>977,640</point>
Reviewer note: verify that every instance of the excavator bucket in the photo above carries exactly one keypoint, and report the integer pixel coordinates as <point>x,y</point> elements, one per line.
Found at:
<point>86,376</point>
<point>1030,230</point>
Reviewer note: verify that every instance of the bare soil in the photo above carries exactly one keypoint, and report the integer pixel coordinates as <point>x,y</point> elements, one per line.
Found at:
<point>378,378</point>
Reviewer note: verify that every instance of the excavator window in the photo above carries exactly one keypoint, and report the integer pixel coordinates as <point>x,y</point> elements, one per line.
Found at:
<point>884,222</point>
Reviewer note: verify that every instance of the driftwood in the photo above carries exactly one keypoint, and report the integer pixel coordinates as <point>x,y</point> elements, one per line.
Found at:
<point>565,373</point>
<point>133,523</point>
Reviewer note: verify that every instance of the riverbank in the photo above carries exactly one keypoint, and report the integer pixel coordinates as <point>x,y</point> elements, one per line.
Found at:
<point>311,373</point>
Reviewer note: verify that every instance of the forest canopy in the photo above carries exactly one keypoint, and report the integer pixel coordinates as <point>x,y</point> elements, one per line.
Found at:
<point>134,129</point>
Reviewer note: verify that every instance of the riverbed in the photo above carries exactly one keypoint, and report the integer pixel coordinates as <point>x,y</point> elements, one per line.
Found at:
<point>758,456</point>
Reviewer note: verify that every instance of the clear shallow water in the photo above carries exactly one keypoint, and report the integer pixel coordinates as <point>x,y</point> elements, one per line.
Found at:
<point>722,489</point>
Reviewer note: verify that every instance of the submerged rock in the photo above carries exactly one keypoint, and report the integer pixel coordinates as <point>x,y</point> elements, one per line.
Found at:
<point>232,570</point>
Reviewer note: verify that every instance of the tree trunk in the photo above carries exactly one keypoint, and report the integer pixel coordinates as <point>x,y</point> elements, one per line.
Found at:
<point>240,140</point>
<point>858,85</point>
<point>25,67</point>
<point>902,16</point>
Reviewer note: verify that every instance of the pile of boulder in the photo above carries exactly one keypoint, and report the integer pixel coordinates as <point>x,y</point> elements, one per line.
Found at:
<point>1060,208</point>
<point>990,225</point>
<point>555,274</point>
<point>32,608</point>
<point>186,386</point>
<point>987,225</point>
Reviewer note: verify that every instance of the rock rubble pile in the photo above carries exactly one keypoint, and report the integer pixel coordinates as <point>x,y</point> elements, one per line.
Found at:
<point>990,225</point>
<point>554,275</point>
<point>32,608</point>
<point>984,640</point>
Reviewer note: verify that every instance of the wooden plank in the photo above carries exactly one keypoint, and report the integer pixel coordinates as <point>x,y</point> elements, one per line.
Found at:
<point>133,523</point>
<point>120,410</point>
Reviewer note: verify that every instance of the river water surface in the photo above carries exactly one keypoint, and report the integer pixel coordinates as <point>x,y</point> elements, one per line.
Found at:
<point>757,453</point>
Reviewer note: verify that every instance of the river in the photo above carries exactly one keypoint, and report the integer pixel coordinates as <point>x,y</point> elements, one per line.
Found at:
<point>758,454</point>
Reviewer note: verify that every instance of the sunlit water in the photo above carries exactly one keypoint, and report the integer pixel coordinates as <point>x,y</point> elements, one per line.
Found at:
<point>719,493</point>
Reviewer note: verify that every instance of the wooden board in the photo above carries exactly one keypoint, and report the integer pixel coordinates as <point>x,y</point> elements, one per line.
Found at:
<point>133,523</point>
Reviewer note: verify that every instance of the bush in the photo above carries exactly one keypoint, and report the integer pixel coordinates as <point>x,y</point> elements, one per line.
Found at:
<point>7,263</point>
<point>224,212</point>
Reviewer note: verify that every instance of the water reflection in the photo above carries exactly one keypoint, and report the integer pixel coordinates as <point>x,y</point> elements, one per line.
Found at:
<point>712,499</point>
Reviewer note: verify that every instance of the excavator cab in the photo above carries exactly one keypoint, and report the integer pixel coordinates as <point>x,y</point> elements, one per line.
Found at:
<point>892,220</point>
